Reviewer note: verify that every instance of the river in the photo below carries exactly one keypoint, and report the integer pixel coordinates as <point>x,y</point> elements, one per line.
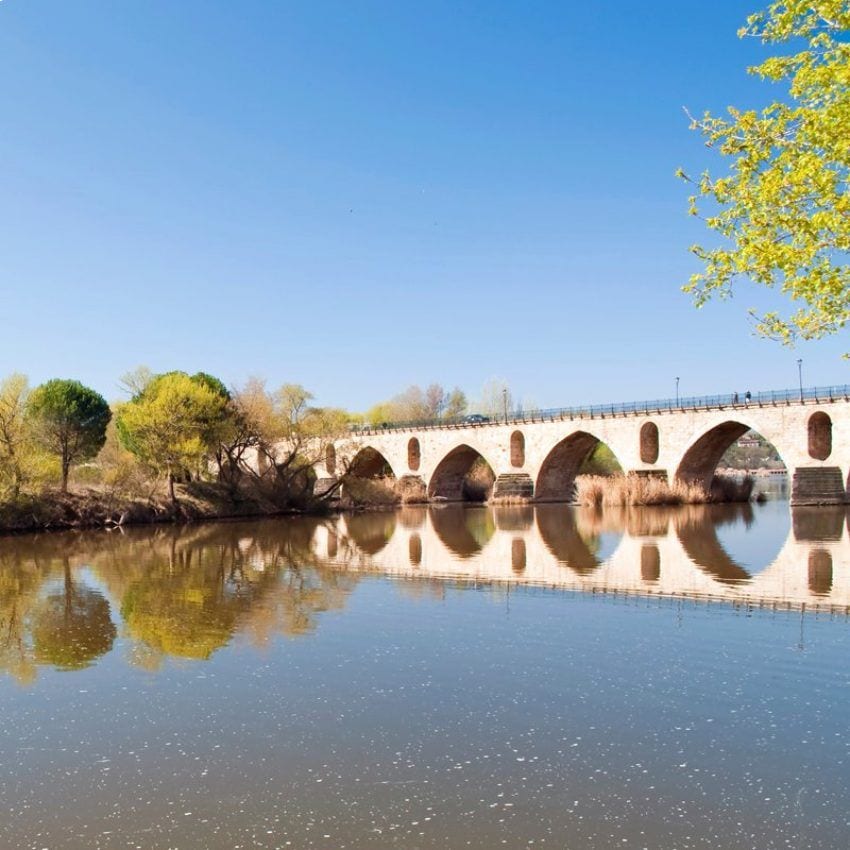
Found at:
<point>444,677</point>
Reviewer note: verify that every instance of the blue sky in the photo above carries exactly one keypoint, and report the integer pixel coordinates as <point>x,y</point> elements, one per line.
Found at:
<point>362,196</point>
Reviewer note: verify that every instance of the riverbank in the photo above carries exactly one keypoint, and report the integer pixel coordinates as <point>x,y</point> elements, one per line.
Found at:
<point>53,510</point>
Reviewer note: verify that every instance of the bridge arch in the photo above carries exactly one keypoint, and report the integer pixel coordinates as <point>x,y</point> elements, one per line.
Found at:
<point>370,463</point>
<point>700,460</point>
<point>557,475</point>
<point>449,480</point>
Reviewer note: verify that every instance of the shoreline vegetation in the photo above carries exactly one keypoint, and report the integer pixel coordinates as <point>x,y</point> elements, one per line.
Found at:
<point>185,448</point>
<point>203,501</point>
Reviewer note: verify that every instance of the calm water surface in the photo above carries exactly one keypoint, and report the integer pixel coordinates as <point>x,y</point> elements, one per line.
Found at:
<point>431,678</point>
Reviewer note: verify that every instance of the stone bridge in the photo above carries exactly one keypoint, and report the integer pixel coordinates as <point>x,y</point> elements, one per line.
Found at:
<point>539,456</point>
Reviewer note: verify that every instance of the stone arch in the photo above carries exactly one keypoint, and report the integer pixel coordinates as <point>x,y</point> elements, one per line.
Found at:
<point>414,454</point>
<point>649,443</point>
<point>517,449</point>
<point>330,459</point>
<point>700,461</point>
<point>557,476</point>
<point>370,463</point>
<point>449,479</point>
<point>820,435</point>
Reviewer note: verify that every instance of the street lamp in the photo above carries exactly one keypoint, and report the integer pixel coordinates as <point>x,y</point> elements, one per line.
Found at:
<point>505,402</point>
<point>677,392</point>
<point>800,375</point>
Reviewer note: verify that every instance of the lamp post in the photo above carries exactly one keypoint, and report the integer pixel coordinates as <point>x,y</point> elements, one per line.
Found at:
<point>677,392</point>
<point>505,402</point>
<point>800,376</point>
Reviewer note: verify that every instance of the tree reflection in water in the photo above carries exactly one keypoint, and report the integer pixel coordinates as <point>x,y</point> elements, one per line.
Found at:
<point>188,592</point>
<point>72,627</point>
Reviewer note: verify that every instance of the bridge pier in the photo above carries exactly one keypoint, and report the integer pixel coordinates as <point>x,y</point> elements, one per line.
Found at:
<point>661,474</point>
<point>412,488</point>
<point>513,485</point>
<point>817,485</point>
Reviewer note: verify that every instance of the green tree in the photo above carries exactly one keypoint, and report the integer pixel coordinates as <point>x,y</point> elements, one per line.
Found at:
<point>783,207</point>
<point>68,420</point>
<point>13,433</point>
<point>456,404</point>
<point>173,425</point>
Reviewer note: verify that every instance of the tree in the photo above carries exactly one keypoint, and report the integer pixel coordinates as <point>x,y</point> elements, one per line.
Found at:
<point>435,401</point>
<point>13,433</point>
<point>456,404</point>
<point>174,425</point>
<point>277,438</point>
<point>783,207</point>
<point>496,399</point>
<point>68,420</point>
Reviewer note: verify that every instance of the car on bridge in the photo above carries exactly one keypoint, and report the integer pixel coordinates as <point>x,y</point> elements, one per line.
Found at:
<point>475,419</point>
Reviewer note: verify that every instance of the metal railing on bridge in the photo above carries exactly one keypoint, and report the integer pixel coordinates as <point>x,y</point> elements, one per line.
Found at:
<point>735,400</point>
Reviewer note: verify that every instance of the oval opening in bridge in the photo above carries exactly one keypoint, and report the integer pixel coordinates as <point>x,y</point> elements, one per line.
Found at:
<point>414,454</point>
<point>820,572</point>
<point>650,562</point>
<point>518,556</point>
<point>517,449</point>
<point>649,442</point>
<point>820,436</point>
<point>414,550</point>
<point>330,459</point>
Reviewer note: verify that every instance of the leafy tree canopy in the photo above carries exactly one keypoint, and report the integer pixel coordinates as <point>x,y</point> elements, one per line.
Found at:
<point>68,420</point>
<point>783,207</point>
<point>174,423</point>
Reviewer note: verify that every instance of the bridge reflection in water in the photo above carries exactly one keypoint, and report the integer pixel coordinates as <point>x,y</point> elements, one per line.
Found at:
<point>763,555</point>
<point>187,592</point>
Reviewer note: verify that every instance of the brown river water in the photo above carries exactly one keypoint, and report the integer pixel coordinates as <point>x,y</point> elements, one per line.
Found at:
<point>444,677</point>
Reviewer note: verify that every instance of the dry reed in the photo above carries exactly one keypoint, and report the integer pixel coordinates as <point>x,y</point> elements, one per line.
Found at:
<point>606,490</point>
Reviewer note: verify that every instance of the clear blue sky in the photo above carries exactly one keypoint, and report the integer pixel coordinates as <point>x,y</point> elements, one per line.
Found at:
<point>361,196</point>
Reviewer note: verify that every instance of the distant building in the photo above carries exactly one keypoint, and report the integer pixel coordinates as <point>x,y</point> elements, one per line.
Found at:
<point>749,442</point>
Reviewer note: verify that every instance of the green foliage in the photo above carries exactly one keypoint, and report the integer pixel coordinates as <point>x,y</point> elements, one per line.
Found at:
<point>13,434</point>
<point>174,424</point>
<point>601,461</point>
<point>783,208</point>
<point>68,420</point>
